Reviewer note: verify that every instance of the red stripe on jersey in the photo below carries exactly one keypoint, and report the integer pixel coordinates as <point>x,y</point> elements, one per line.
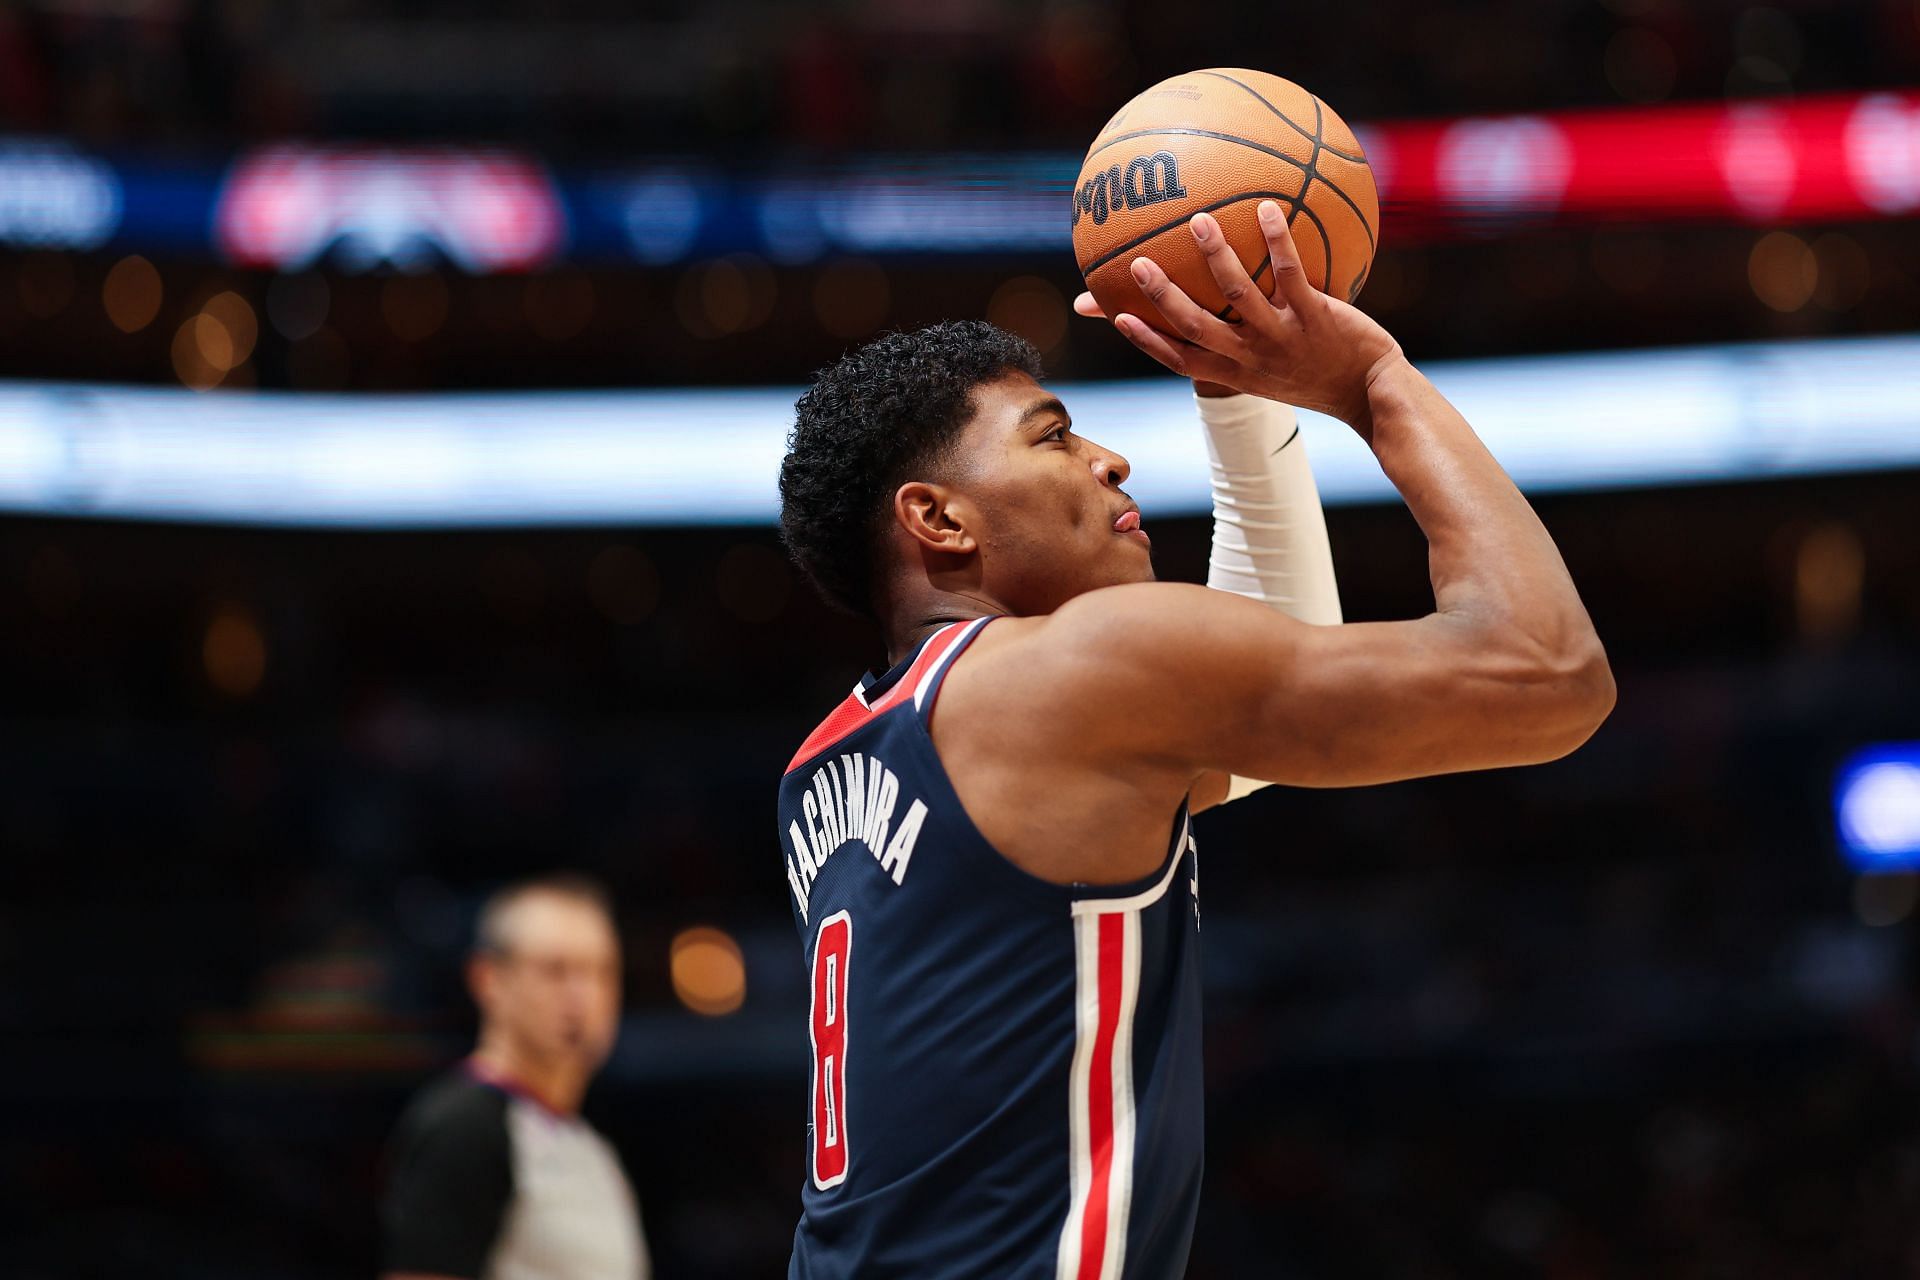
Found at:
<point>1093,1226</point>
<point>851,714</point>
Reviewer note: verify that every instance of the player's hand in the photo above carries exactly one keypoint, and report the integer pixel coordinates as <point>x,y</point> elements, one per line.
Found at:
<point>1296,345</point>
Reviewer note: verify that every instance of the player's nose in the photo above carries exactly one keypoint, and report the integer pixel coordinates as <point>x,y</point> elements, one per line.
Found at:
<point>1110,467</point>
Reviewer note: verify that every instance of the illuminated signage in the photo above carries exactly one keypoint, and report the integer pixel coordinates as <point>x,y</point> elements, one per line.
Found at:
<point>54,197</point>
<point>1876,804</point>
<point>289,207</point>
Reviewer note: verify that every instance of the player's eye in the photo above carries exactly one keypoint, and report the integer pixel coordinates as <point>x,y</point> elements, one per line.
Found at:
<point>1058,433</point>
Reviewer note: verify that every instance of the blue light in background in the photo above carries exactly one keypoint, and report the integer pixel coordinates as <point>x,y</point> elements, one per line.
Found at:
<point>1688,415</point>
<point>1876,806</point>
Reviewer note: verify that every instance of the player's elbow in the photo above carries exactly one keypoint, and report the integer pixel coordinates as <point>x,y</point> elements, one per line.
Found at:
<point>1572,693</point>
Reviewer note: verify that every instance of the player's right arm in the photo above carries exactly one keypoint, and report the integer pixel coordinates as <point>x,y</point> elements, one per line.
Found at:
<point>1505,670</point>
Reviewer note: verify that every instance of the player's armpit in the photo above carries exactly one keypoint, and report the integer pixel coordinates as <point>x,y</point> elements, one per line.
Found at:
<point>1209,790</point>
<point>1209,681</point>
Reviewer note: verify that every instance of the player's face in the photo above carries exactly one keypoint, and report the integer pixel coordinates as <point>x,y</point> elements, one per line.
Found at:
<point>556,991</point>
<point>1053,522</point>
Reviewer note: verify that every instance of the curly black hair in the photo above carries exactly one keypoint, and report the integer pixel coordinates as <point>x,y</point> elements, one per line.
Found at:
<point>865,427</point>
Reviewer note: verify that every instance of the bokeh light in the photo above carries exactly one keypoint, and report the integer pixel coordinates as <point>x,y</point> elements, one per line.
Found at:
<point>132,294</point>
<point>190,363</point>
<point>226,331</point>
<point>709,974</point>
<point>1829,569</point>
<point>726,296</point>
<point>234,651</point>
<point>1782,271</point>
<point>215,344</point>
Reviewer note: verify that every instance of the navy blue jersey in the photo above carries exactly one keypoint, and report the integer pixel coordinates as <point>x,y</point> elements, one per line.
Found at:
<point>1006,1073</point>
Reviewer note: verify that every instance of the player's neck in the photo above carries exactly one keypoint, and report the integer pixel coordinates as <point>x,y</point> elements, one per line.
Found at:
<point>906,627</point>
<point>557,1086</point>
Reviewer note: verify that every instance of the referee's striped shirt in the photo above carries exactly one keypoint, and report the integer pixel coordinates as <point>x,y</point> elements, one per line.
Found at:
<point>486,1183</point>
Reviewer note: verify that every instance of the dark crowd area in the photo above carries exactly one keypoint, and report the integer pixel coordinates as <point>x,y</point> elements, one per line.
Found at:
<point>1625,1015</point>
<point>759,77</point>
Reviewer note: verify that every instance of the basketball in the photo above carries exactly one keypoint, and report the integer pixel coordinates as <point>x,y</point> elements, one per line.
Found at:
<point>1221,141</point>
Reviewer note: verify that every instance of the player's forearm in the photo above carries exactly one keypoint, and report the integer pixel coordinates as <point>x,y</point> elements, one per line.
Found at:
<point>1269,532</point>
<point>1497,575</point>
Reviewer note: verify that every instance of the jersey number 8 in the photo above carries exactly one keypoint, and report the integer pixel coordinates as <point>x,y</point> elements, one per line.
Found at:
<point>831,948</point>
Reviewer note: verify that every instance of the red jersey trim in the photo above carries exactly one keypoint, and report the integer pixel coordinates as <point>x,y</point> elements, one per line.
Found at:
<point>853,713</point>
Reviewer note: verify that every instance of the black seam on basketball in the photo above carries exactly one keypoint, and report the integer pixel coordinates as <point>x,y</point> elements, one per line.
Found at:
<point>1359,282</point>
<point>1171,223</point>
<point>1306,185</point>
<point>1313,171</point>
<point>1278,112</point>
<point>1365,226</point>
<point>1326,242</point>
<point>1275,152</point>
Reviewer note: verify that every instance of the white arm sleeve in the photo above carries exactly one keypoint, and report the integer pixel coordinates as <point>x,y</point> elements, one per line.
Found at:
<point>1269,531</point>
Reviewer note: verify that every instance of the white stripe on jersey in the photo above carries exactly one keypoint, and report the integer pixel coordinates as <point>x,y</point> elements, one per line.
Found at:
<point>1100,1104</point>
<point>945,660</point>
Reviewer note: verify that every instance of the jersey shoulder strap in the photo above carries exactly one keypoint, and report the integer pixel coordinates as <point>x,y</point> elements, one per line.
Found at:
<point>916,680</point>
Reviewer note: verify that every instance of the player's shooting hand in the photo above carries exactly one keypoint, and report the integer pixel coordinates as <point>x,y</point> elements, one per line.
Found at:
<point>1296,345</point>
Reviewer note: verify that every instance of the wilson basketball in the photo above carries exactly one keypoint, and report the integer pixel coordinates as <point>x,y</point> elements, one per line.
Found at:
<point>1222,140</point>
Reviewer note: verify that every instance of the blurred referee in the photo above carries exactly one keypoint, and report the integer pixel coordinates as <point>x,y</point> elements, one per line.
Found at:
<point>492,1174</point>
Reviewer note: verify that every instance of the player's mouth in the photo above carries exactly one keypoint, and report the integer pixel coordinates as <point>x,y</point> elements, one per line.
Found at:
<point>1128,526</point>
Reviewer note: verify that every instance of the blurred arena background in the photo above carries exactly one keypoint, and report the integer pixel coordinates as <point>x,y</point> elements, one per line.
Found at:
<point>302,655</point>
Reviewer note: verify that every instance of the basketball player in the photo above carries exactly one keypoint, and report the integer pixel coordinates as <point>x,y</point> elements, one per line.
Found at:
<point>989,847</point>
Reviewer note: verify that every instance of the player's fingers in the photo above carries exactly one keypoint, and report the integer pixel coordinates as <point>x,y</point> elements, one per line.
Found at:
<point>1184,316</point>
<point>1184,358</point>
<point>1229,274</point>
<point>1086,306</point>
<point>1290,284</point>
<point>1150,340</point>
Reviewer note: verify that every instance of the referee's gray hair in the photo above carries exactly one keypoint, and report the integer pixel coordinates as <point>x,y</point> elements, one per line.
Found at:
<point>490,928</point>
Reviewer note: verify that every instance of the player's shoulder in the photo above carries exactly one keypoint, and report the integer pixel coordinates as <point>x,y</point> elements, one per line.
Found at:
<point>1096,621</point>
<point>455,1107</point>
<point>1061,657</point>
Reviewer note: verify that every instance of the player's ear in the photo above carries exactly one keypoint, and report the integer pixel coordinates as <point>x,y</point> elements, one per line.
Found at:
<point>935,517</point>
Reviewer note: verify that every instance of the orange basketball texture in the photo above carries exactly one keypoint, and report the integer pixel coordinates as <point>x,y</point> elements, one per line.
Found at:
<point>1222,140</point>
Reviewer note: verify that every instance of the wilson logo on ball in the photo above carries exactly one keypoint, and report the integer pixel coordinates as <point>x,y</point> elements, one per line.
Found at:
<point>1146,180</point>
